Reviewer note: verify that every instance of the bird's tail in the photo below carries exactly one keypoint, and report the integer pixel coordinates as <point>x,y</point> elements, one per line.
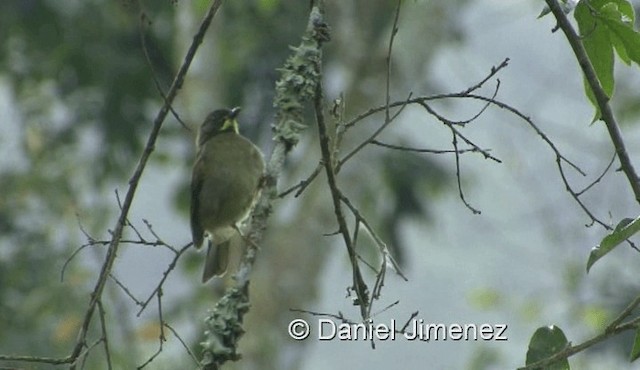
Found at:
<point>217,260</point>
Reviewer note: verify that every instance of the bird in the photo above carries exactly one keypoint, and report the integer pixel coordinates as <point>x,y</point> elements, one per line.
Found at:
<point>225,184</point>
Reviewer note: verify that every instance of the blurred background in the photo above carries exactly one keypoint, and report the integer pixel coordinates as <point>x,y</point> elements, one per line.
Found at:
<point>77,99</point>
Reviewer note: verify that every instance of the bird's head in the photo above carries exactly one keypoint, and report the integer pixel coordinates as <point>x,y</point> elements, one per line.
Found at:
<point>217,122</point>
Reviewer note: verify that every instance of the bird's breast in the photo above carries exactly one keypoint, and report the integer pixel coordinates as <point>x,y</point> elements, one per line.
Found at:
<point>234,167</point>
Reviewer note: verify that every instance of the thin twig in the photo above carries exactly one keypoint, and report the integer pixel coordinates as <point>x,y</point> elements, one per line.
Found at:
<point>384,249</point>
<point>105,337</point>
<point>405,148</point>
<point>394,31</point>
<point>125,289</point>
<point>493,72</point>
<point>597,180</point>
<point>302,185</point>
<point>134,181</point>
<point>451,125</point>
<point>344,127</point>
<point>184,344</point>
<point>571,350</point>
<point>623,315</point>
<point>161,336</point>
<point>165,275</point>
<point>145,21</point>
<point>372,111</point>
<point>454,142</point>
<point>359,285</point>
<point>372,137</point>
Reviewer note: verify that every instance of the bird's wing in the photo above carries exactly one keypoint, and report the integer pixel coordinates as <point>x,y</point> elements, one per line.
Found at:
<point>197,179</point>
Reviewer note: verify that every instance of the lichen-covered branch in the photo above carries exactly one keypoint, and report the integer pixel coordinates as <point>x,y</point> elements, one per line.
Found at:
<point>296,86</point>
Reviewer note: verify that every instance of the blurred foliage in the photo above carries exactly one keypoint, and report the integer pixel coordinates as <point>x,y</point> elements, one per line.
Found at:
<point>84,59</point>
<point>80,83</point>
<point>412,180</point>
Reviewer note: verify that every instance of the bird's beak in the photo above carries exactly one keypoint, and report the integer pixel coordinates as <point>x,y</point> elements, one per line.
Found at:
<point>231,121</point>
<point>234,112</point>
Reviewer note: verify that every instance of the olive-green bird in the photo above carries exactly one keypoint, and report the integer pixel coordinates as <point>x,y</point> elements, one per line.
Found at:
<point>224,185</point>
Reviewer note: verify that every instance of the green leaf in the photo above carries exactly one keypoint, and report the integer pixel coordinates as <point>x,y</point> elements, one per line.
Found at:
<point>599,48</point>
<point>620,49</point>
<point>596,41</point>
<point>545,342</point>
<point>485,298</point>
<point>595,317</point>
<point>605,26</point>
<point>566,5</point>
<point>623,231</point>
<point>625,40</point>
<point>635,351</point>
<point>618,17</point>
<point>623,7</point>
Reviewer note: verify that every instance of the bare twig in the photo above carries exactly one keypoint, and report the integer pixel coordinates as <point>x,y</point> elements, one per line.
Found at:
<point>493,72</point>
<point>345,320</point>
<point>302,185</point>
<point>133,182</point>
<point>125,289</point>
<point>384,249</point>
<point>385,124</point>
<point>159,240</point>
<point>617,326</point>
<point>394,31</point>
<point>184,344</point>
<point>560,158</point>
<point>387,114</point>
<point>144,22</point>
<point>105,337</point>
<point>359,285</point>
<point>624,314</point>
<point>332,168</point>
<point>344,127</point>
<point>456,132</point>
<point>405,148</point>
<point>161,336</point>
<point>597,180</point>
<point>454,135</point>
<point>71,257</point>
<point>372,111</point>
<point>165,274</point>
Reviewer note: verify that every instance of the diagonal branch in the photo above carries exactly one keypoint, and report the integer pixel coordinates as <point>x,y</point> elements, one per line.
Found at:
<point>616,327</point>
<point>601,97</point>
<point>134,180</point>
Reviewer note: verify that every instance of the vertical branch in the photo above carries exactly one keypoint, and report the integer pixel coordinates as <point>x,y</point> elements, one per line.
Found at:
<point>359,285</point>
<point>394,31</point>
<point>296,86</point>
